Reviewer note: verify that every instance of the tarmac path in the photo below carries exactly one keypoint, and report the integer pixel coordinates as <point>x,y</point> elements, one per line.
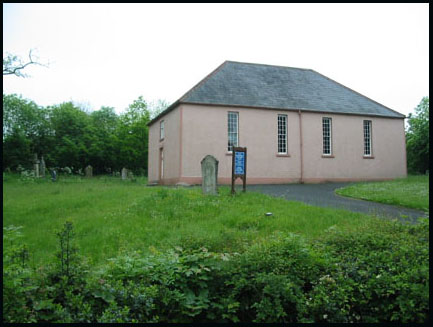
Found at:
<point>323,195</point>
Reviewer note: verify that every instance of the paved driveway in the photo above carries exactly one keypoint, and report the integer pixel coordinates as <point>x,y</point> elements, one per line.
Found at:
<point>323,195</point>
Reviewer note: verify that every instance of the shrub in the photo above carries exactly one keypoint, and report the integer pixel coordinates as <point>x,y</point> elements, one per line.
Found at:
<point>364,275</point>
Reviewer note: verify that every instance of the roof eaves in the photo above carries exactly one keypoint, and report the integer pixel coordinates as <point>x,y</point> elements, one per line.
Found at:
<point>293,109</point>
<point>166,111</point>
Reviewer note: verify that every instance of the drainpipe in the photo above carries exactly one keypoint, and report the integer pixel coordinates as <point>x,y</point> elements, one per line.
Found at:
<point>301,148</point>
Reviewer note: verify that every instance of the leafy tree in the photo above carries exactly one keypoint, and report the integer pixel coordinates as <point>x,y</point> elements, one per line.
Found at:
<point>133,135</point>
<point>69,136</point>
<point>103,150</point>
<point>16,150</point>
<point>417,138</point>
<point>23,119</point>
<point>73,135</point>
<point>157,107</point>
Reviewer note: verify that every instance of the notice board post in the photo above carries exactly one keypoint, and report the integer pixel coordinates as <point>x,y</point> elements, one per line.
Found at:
<point>239,166</point>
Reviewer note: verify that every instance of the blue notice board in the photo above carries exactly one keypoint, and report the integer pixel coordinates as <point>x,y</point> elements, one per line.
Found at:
<point>239,163</point>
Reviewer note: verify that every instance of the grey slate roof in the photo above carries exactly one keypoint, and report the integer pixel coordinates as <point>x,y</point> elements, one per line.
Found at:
<point>276,87</point>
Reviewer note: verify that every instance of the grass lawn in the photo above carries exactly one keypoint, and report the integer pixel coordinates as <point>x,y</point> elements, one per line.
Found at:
<point>110,215</point>
<point>411,192</point>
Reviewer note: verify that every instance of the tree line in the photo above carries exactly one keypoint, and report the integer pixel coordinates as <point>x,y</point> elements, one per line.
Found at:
<point>69,136</point>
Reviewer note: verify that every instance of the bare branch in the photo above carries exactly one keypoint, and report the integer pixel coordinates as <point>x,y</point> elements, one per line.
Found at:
<point>13,65</point>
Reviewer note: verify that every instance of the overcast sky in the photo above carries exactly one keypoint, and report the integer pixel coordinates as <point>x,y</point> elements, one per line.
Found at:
<point>109,54</point>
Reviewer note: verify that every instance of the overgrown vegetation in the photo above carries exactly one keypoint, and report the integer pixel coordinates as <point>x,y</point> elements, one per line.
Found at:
<point>417,139</point>
<point>68,136</point>
<point>365,275</point>
<point>111,214</point>
<point>411,192</point>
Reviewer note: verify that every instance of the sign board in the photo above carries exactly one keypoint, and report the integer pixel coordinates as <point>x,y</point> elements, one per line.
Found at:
<point>239,166</point>
<point>239,163</point>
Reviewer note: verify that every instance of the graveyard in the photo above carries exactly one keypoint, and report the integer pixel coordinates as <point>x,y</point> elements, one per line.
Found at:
<point>112,215</point>
<point>125,230</point>
<point>93,242</point>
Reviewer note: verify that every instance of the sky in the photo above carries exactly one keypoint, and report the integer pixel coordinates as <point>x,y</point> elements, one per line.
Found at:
<point>110,54</point>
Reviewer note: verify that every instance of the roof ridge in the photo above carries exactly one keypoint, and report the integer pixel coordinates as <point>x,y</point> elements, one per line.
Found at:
<point>357,93</point>
<point>256,64</point>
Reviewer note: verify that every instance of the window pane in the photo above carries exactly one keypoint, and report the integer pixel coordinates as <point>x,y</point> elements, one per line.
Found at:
<point>232,130</point>
<point>282,133</point>
<point>367,137</point>
<point>161,136</point>
<point>326,126</point>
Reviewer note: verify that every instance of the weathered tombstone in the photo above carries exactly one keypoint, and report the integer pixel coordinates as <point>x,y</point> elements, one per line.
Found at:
<point>42,167</point>
<point>36,165</point>
<point>124,173</point>
<point>130,174</point>
<point>209,172</point>
<point>89,171</point>
<point>53,175</point>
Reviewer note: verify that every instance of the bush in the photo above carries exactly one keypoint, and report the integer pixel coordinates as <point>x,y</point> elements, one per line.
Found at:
<point>366,275</point>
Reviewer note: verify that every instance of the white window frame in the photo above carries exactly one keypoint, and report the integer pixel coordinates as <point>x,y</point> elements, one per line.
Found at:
<point>229,132</point>
<point>368,144</point>
<point>161,130</point>
<point>324,146</point>
<point>282,134</point>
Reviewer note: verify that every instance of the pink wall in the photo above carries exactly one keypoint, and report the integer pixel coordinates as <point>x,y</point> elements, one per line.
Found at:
<point>203,131</point>
<point>348,162</point>
<point>171,147</point>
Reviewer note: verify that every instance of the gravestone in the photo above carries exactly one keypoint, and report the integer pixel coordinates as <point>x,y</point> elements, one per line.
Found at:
<point>124,173</point>
<point>53,175</point>
<point>88,171</point>
<point>42,167</point>
<point>209,172</point>
<point>36,165</point>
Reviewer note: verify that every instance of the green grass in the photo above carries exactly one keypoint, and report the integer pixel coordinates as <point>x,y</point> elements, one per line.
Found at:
<point>411,192</point>
<point>111,215</point>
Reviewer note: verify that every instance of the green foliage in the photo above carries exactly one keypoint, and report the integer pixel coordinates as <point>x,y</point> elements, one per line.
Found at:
<point>68,136</point>
<point>378,275</point>
<point>17,278</point>
<point>133,135</point>
<point>68,250</point>
<point>363,275</point>
<point>73,133</point>
<point>25,131</point>
<point>16,150</point>
<point>417,139</point>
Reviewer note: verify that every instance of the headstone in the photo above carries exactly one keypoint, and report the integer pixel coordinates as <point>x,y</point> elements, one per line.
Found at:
<point>42,167</point>
<point>130,174</point>
<point>53,175</point>
<point>209,172</point>
<point>36,165</point>
<point>124,173</point>
<point>89,171</point>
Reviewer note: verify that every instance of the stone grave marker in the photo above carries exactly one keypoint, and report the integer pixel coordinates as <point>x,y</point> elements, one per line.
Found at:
<point>36,165</point>
<point>124,173</point>
<point>88,171</point>
<point>53,175</point>
<point>209,172</point>
<point>42,167</point>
